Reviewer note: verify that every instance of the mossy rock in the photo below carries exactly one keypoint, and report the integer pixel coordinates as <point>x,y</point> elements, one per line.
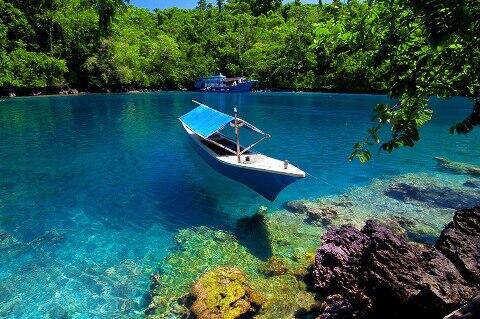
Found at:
<point>224,293</point>
<point>275,266</point>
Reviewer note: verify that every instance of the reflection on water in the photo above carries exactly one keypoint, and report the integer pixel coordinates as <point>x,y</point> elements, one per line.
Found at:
<point>93,188</point>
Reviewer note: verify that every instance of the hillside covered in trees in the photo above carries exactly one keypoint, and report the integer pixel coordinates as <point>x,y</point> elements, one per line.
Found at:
<point>109,44</point>
<point>411,50</point>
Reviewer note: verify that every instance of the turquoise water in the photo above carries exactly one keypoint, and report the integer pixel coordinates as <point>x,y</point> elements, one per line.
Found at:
<point>94,188</point>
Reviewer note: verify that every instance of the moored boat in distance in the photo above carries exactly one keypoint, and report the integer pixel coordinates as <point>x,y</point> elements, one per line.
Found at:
<point>265,175</point>
<point>220,83</point>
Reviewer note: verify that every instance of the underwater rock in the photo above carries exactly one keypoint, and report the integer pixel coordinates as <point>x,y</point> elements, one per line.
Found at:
<point>460,242</point>
<point>376,271</point>
<point>224,293</point>
<point>58,312</point>
<point>458,167</point>
<point>7,240</point>
<point>472,183</point>
<point>50,238</point>
<point>442,197</point>
<point>316,211</point>
<point>274,266</point>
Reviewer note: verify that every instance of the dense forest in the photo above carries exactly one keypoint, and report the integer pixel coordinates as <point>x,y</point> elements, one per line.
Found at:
<point>410,49</point>
<point>109,44</point>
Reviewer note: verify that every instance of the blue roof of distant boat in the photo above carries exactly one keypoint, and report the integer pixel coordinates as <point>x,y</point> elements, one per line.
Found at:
<point>205,121</point>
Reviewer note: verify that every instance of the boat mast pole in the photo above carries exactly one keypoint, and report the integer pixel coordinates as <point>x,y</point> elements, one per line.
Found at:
<point>237,133</point>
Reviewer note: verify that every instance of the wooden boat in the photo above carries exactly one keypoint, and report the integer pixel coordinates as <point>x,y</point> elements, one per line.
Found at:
<point>265,175</point>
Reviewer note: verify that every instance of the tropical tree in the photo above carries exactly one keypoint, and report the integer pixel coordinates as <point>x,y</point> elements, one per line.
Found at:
<point>432,48</point>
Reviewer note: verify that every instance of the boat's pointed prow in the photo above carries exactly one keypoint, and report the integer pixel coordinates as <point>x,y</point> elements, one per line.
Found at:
<point>265,175</point>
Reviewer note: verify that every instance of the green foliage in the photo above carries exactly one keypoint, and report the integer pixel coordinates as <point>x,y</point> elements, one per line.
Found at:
<point>23,69</point>
<point>430,48</point>
<point>107,44</point>
<point>410,49</point>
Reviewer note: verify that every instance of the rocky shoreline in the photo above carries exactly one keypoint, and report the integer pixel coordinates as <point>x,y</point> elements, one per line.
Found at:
<point>375,272</point>
<point>416,262</point>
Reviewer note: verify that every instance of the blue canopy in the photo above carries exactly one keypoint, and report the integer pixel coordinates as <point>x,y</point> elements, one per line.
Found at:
<point>205,121</point>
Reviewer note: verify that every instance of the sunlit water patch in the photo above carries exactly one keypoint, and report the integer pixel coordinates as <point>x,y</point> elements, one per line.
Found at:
<point>93,189</point>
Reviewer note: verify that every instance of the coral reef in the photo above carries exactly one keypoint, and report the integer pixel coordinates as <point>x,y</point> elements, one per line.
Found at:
<point>325,213</point>
<point>441,197</point>
<point>224,293</point>
<point>458,167</point>
<point>201,250</point>
<point>375,271</point>
<point>418,204</point>
<point>275,266</point>
<point>274,251</point>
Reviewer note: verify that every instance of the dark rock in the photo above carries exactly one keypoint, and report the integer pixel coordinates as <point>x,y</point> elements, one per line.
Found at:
<point>472,183</point>
<point>338,269</point>
<point>375,271</point>
<point>471,310</point>
<point>68,91</point>
<point>337,307</point>
<point>460,242</point>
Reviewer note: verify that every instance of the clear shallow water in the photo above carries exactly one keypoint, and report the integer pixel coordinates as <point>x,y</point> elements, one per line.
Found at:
<point>94,188</point>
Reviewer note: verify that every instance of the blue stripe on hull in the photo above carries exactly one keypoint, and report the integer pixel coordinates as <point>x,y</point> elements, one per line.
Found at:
<point>243,87</point>
<point>269,185</point>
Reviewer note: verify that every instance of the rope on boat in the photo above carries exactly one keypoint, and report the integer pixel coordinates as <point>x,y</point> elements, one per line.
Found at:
<point>320,179</point>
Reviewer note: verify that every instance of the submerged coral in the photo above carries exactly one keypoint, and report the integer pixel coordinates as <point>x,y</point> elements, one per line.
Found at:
<point>275,250</point>
<point>224,293</point>
<point>201,250</point>
<point>473,183</point>
<point>458,167</point>
<point>7,240</point>
<point>420,204</point>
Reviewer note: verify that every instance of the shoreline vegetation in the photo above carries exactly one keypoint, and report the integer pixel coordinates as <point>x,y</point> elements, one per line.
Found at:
<point>111,46</point>
<point>412,50</point>
<point>267,268</point>
<point>75,92</point>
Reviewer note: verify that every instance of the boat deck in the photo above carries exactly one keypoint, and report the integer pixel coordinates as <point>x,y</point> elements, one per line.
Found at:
<point>219,150</point>
<point>250,159</point>
<point>263,163</point>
